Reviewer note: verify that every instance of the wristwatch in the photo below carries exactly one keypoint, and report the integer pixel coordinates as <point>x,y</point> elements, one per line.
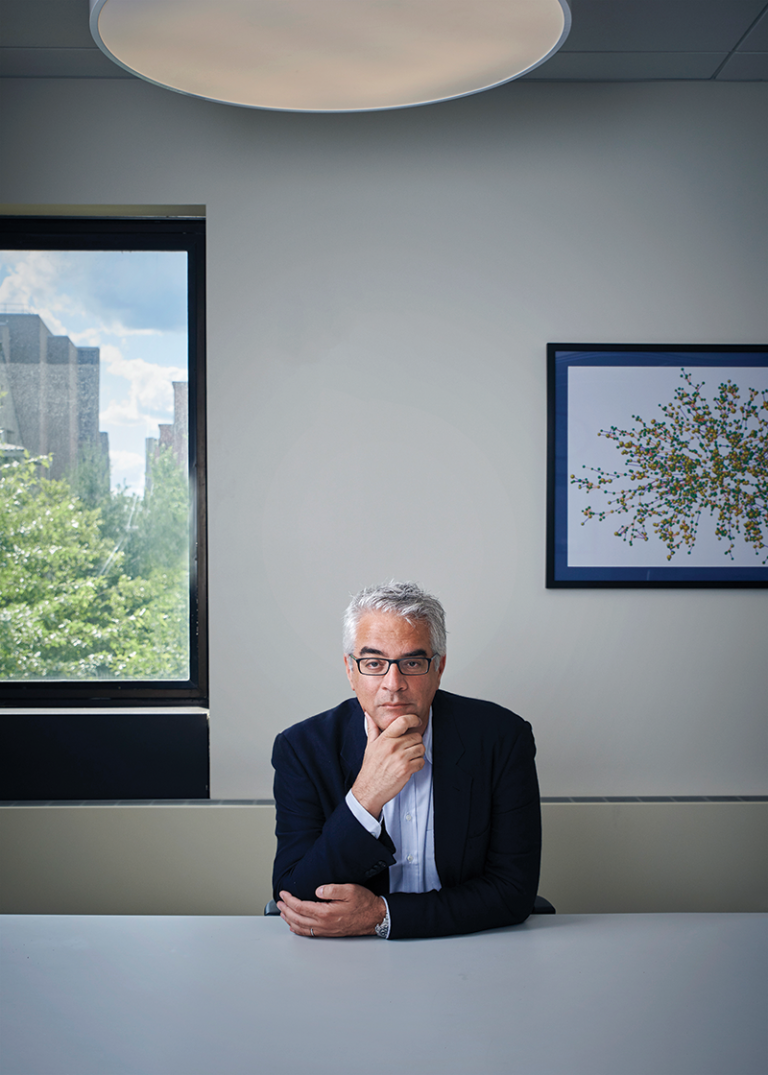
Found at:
<point>382,929</point>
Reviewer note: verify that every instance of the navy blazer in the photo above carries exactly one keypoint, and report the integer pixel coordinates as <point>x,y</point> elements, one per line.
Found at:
<point>486,814</point>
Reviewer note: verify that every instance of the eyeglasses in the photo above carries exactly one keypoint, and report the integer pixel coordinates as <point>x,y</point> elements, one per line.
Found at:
<point>407,666</point>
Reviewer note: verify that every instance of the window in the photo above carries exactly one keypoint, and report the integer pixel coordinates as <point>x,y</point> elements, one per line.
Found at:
<point>102,462</point>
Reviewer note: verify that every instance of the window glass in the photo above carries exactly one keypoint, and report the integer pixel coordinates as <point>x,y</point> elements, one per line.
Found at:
<point>101,446</point>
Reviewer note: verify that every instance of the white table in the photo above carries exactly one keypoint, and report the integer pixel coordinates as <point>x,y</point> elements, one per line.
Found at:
<point>595,994</point>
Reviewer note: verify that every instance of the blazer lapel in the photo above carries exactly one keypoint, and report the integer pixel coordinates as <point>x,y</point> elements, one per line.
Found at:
<point>353,745</point>
<point>452,790</point>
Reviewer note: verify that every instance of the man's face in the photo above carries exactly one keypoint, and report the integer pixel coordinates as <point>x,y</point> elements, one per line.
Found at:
<point>385,698</point>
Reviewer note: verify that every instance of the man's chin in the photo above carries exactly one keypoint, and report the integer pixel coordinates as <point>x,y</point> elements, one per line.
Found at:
<point>386,715</point>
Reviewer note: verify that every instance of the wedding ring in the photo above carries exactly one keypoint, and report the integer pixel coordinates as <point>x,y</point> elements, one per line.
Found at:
<point>311,932</point>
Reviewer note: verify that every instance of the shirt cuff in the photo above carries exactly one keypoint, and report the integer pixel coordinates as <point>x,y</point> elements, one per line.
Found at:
<point>368,821</point>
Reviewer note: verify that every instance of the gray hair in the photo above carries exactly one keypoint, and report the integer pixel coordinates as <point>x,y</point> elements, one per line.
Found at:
<point>405,599</point>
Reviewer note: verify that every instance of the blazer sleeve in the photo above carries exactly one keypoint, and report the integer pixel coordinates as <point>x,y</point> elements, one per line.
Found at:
<point>493,878</point>
<point>319,840</point>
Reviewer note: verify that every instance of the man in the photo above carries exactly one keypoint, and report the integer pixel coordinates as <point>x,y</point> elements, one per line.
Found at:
<point>406,811</point>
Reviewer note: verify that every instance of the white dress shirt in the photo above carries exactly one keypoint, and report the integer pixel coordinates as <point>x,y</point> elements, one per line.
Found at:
<point>409,821</point>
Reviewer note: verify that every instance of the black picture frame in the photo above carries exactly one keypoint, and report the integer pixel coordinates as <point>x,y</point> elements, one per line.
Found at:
<point>687,493</point>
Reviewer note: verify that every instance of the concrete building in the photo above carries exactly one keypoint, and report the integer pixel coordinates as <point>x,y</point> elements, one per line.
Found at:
<point>51,401</point>
<point>173,435</point>
<point>9,422</point>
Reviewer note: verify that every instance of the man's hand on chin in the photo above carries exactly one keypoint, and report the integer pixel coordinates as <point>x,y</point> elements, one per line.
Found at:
<point>345,911</point>
<point>390,760</point>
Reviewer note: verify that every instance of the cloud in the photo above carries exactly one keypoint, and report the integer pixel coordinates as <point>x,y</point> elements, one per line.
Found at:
<point>127,468</point>
<point>150,390</point>
<point>127,462</point>
<point>31,284</point>
<point>91,337</point>
<point>121,292</point>
<point>125,413</point>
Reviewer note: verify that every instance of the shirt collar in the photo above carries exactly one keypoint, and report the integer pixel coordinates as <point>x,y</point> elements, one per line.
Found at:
<point>428,739</point>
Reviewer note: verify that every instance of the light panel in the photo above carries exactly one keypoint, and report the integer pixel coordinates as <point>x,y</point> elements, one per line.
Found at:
<point>329,55</point>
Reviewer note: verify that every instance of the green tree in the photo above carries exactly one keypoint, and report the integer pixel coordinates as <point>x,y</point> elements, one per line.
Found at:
<point>154,639</point>
<point>68,610</point>
<point>52,577</point>
<point>89,479</point>
<point>159,538</point>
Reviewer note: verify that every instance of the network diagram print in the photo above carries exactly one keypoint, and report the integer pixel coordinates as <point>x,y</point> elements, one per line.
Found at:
<point>699,457</point>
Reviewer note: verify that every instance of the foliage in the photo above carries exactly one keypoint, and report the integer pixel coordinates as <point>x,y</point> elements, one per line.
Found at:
<point>159,537</point>
<point>699,458</point>
<point>73,604</point>
<point>89,480</point>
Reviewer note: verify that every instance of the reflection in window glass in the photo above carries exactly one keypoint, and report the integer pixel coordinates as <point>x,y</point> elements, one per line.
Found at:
<point>94,489</point>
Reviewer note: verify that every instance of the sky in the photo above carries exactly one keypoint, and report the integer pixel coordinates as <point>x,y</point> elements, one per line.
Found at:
<point>602,396</point>
<point>133,306</point>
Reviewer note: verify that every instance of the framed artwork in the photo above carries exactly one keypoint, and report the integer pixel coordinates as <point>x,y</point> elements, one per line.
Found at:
<point>657,465</point>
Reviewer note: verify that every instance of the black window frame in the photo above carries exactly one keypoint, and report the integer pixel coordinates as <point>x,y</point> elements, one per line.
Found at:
<point>138,233</point>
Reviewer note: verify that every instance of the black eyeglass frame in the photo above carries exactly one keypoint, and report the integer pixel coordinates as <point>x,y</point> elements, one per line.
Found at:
<point>373,657</point>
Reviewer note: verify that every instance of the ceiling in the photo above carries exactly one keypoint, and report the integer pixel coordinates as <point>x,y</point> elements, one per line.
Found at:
<point>610,41</point>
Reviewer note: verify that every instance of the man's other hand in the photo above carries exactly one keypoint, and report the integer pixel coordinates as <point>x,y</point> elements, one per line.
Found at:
<point>345,911</point>
<point>390,760</point>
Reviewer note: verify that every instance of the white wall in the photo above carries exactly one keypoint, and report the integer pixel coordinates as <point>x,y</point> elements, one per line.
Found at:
<point>381,290</point>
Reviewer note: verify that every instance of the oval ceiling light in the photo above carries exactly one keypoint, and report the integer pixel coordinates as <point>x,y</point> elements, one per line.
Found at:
<point>329,55</point>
